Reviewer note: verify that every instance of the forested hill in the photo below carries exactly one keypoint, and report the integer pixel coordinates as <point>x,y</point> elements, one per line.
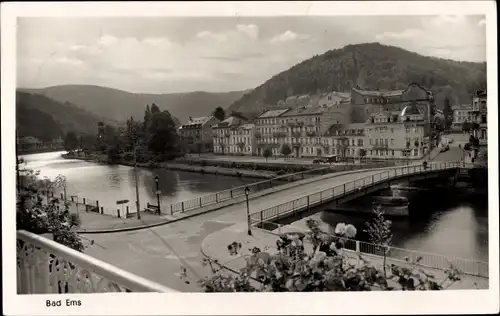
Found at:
<point>46,119</point>
<point>369,66</point>
<point>121,105</point>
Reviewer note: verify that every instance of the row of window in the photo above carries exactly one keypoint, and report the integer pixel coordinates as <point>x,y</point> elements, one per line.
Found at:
<point>274,121</point>
<point>222,132</point>
<point>388,153</point>
<point>233,140</point>
<point>376,101</point>
<point>270,130</point>
<point>232,149</point>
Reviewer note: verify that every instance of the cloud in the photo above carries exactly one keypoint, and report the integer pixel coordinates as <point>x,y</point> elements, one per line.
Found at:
<point>156,41</point>
<point>406,34</point>
<point>207,35</point>
<point>139,55</point>
<point>108,40</point>
<point>287,36</point>
<point>250,30</point>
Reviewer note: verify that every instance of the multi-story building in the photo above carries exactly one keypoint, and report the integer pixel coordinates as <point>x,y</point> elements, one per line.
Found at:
<point>270,131</point>
<point>463,113</point>
<point>234,135</point>
<point>366,103</point>
<point>479,104</point>
<point>345,141</point>
<point>301,128</point>
<point>197,133</point>
<point>397,135</point>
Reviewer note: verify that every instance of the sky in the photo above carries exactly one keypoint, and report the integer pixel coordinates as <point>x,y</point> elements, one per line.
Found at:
<point>217,54</point>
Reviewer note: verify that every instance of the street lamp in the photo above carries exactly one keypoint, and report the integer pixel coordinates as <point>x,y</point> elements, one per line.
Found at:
<point>247,192</point>
<point>158,194</point>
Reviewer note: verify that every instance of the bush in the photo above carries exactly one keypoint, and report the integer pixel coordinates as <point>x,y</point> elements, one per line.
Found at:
<point>128,156</point>
<point>326,268</point>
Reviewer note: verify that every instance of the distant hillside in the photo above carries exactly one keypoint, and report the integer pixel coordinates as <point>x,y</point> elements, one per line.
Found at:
<point>46,119</point>
<point>120,105</point>
<point>369,66</point>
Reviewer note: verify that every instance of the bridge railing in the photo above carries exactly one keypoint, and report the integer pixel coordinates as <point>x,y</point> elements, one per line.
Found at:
<point>314,199</point>
<point>237,192</point>
<point>45,266</point>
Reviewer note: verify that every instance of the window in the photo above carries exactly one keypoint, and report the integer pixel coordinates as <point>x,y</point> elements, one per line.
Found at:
<point>393,152</point>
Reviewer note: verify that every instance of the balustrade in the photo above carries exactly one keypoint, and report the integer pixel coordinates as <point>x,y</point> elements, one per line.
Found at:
<point>45,266</point>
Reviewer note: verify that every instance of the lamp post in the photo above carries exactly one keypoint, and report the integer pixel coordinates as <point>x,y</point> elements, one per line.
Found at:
<point>137,203</point>
<point>247,192</point>
<point>158,193</point>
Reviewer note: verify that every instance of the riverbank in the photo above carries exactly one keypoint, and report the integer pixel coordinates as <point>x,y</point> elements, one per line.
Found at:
<point>38,151</point>
<point>215,170</point>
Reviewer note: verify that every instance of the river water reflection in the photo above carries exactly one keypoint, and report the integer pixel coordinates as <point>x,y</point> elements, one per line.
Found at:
<point>109,183</point>
<point>452,222</point>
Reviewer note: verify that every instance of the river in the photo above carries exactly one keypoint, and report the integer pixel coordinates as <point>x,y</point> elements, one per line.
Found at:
<point>450,221</point>
<point>109,183</point>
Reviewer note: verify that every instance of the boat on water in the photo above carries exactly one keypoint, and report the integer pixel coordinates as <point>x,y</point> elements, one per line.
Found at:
<point>392,205</point>
<point>406,191</point>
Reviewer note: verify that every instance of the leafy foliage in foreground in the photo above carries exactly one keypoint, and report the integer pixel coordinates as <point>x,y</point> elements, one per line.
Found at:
<point>326,268</point>
<point>43,215</point>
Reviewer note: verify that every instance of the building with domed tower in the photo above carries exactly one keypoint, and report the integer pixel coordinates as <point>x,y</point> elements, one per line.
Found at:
<point>366,103</point>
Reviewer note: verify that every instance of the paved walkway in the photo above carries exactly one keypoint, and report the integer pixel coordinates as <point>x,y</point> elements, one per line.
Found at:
<point>215,246</point>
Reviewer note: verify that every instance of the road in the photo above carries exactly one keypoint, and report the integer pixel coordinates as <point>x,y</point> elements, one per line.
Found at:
<point>158,253</point>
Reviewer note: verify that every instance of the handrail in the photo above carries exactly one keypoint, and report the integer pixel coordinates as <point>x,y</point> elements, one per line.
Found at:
<point>114,274</point>
<point>305,201</point>
<point>429,259</point>
<point>235,192</point>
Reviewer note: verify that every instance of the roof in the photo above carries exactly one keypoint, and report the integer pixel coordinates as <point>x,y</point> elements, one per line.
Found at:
<point>272,113</point>
<point>247,126</point>
<point>376,93</point>
<point>410,110</point>
<point>230,121</point>
<point>305,111</point>
<point>199,120</point>
<point>196,122</point>
<point>355,126</point>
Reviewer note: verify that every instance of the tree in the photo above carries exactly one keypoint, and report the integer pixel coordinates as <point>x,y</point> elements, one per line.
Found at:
<point>219,113</point>
<point>448,113</point>
<point>70,142</point>
<point>267,153</point>
<point>114,149</point>
<point>161,136</point>
<point>362,153</point>
<point>379,232</point>
<point>286,150</point>
<point>327,267</point>
<point>33,216</point>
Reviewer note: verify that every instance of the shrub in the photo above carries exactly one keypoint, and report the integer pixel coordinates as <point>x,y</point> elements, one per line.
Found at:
<point>128,156</point>
<point>325,268</point>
